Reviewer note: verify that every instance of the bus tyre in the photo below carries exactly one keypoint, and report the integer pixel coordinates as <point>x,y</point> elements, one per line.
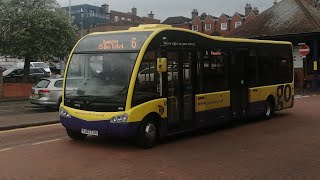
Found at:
<point>77,136</point>
<point>147,134</point>
<point>269,109</point>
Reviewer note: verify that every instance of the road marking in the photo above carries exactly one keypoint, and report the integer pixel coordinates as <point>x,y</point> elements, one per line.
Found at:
<point>36,127</point>
<point>297,96</point>
<point>8,110</point>
<point>305,96</point>
<point>6,149</point>
<point>54,140</point>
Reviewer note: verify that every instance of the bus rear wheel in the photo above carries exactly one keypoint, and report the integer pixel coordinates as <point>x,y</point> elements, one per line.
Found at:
<point>147,134</point>
<point>77,136</point>
<point>269,109</point>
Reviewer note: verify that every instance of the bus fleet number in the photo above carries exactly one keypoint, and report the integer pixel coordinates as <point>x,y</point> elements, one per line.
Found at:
<point>284,94</point>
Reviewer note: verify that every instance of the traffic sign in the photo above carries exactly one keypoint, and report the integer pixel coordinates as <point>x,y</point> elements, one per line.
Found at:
<point>304,50</point>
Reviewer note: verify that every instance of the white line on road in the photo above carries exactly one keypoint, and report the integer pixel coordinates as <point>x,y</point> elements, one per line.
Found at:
<point>6,149</point>
<point>306,96</point>
<point>54,140</point>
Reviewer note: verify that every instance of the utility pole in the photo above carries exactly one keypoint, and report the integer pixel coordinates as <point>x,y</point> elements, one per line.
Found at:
<point>81,11</point>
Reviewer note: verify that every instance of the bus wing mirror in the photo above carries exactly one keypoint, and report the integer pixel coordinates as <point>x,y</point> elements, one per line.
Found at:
<point>162,64</point>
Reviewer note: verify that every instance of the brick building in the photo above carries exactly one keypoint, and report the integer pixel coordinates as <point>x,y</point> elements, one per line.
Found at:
<point>132,16</point>
<point>297,21</point>
<point>212,25</point>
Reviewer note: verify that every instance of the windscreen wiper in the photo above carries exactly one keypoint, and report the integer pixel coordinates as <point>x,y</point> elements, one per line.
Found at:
<point>84,98</point>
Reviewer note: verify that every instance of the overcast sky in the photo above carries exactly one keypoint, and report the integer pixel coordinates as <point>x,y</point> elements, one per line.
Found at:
<point>167,8</point>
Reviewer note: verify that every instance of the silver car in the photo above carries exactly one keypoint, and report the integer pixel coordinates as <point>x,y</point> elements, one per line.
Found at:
<point>47,92</point>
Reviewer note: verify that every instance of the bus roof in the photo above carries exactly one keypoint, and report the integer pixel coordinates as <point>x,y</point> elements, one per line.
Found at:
<point>157,28</point>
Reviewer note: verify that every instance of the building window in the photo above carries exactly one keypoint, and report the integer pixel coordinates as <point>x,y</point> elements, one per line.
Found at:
<point>224,26</point>
<point>208,27</point>
<point>92,13</point>
<point>237,24</point>
<point>116,18</point>
<point>195,28</point>
<point>73,12</point>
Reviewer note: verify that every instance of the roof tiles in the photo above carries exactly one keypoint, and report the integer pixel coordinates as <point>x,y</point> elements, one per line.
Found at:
<point>286,17</point>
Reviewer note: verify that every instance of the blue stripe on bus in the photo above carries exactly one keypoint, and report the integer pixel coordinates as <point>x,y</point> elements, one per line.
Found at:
<point>256,108</point>
<point>222,115</point>
<point>213,117</point>
<point>105,128</point>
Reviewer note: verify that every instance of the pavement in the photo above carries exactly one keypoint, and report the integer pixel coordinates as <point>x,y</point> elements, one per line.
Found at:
<point>21,114</point>
<point>27,120</point>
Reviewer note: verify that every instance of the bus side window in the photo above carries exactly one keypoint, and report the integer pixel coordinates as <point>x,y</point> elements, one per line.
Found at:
<point>252,69</point>
<point>213,67</point>
<point>147,82</point>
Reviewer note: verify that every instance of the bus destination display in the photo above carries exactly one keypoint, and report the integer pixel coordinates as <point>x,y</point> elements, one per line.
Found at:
<point>113,42</point>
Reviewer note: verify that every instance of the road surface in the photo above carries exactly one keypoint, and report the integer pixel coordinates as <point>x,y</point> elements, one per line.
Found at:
<point>286,147</point>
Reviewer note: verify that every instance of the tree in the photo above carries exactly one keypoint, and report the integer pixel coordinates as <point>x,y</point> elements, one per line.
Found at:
<point>35,30</point>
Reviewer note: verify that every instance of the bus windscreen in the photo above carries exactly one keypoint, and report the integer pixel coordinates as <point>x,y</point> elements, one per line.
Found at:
<point>128,41</point>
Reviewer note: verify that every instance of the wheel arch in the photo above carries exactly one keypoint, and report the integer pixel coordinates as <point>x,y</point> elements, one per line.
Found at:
<point>154,117</point>
<point>272,100</point>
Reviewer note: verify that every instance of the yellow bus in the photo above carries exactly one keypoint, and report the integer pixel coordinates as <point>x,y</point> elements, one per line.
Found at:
<point>151,81</point>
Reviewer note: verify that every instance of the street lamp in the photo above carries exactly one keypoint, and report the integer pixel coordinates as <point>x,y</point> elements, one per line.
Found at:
<point>81,23</point>
<point>70,8</point>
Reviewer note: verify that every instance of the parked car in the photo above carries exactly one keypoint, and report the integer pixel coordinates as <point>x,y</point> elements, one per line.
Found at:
<point>36,65</point>
<point>54,68</point>
<point>16,74</point>
<point>6,66</point>
<point>47,92</point>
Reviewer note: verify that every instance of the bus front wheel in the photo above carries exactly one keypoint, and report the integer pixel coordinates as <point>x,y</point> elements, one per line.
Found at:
<point>77,136</point>
<point>147,134</point>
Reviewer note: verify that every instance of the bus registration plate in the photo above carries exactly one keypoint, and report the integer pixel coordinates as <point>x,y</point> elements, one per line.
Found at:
<point>89,132</point>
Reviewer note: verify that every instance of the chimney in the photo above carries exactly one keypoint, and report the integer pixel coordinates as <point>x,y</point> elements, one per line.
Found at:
<point>275,2</point>
<point>105,10</point>
<point>248,9</point>
<point>151,15</point>
<point>255,10</point>
<point>194,13</point>
<point>134,11</point>
<point>203,15</point>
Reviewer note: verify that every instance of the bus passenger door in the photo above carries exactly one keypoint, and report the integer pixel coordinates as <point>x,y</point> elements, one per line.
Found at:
<point>238,83</point>
<point>180,91</point>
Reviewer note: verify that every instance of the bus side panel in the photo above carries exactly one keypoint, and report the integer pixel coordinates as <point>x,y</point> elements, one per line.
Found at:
<point>212,108</point>
<point>282,93</point>
<point>139,112</point>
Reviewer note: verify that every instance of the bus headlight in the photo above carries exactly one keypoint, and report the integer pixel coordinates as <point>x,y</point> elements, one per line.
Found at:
<point>64,113</point>
<point>119,119</point>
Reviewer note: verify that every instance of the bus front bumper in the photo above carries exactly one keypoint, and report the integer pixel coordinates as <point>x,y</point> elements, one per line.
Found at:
<point>104,128</point>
